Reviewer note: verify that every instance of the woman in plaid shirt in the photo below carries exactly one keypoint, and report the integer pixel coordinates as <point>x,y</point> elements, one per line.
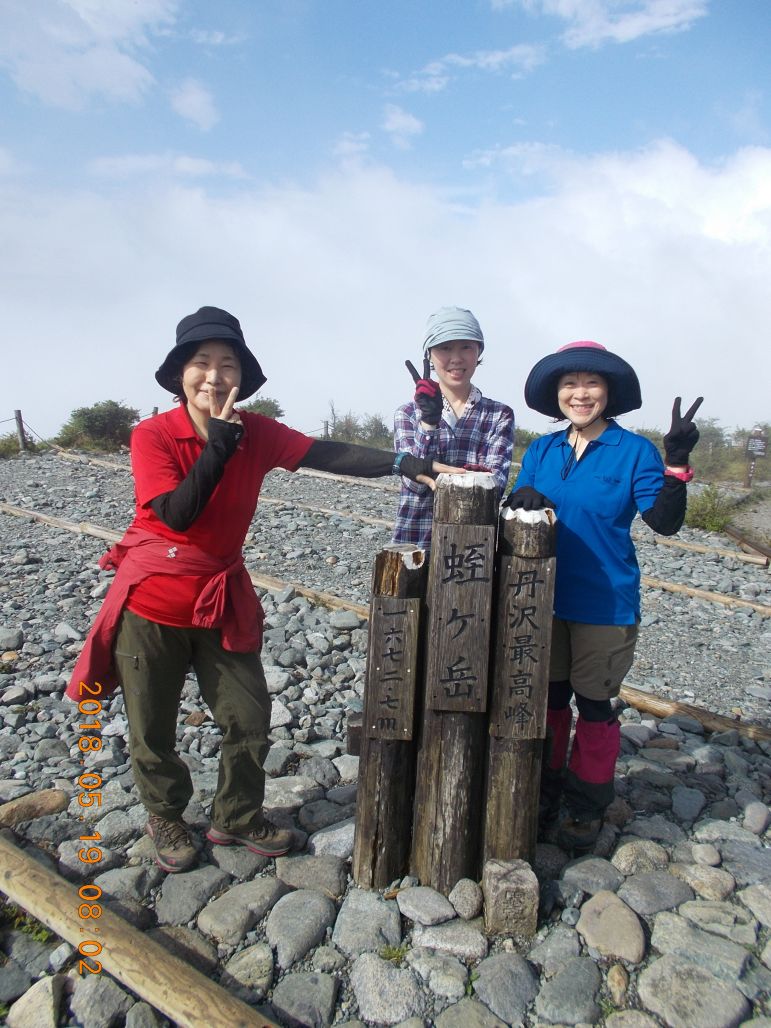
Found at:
<point>449,420</point>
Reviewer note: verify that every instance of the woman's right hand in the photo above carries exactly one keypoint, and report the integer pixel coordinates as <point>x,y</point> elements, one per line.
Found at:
<point>428,395</point>
<point>225,412</point>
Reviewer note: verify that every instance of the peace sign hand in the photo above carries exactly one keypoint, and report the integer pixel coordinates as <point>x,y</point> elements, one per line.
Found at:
<point>225,412</point>
<point>428,396</point>
<point>682,435</point>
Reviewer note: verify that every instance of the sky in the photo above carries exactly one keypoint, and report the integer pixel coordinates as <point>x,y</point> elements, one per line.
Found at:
<point>332,171</point>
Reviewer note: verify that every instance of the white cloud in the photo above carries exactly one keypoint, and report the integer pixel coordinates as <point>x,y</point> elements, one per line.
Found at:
<point>215,37</point>
<point>664,259</point>
<point>436,75</point>
<point>351,145</point>
<point>129,166</point>
<point>192,101</point>
<point>67,51</point>
<point>400,125</point>
<point>747,120</point>
<point>594,22</point>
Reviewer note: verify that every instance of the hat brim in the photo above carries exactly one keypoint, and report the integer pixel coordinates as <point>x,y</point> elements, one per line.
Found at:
<point>252,377</point>
<point>623,385</point>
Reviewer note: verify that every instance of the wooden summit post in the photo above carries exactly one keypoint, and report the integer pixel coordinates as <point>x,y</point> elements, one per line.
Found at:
<point>387,756</point>
<point>448,818</point>
<point>520,685</point>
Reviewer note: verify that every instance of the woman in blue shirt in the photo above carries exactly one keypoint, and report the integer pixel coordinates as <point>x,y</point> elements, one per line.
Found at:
<point>596,476</point>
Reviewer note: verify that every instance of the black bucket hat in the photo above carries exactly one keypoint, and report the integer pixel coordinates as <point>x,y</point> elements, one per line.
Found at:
<point>623,386</point>
<point>210,323</point>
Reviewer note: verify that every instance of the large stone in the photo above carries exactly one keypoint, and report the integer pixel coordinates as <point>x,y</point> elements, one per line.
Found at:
<point>297,923</point>
<point>685,995</point>
<point>757,898</point>
<point>592,874</point>
<point>463,939</point>
<point>510,890</point>
<point>711,883</point>
<point>366,922</point>
<point>249,973</point>
<point>326,874</point>
<point>40,1006</point>
<point>425,905</point>
<point>637,856</point>
<point>674,935</point>
<point>506,984</point>
<point>385,994</point>
<point>230,917</point>
<point>570,996</point>
<point>468,1014</point>
<point>183,895</point>
<point>306,998</point>
<point>335,841</point>
<point>649,893</point>
<point>467,898</point>
<point>609,926</point>
<point>553,953</point>
<point>726,919</point>
<point>97,1001</point>
<point>444,975</point>
<point>288,794</point>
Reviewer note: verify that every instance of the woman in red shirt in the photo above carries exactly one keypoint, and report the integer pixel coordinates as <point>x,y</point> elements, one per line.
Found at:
<point>182,596</point>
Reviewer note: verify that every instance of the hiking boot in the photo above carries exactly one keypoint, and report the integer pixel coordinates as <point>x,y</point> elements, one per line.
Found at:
<point>265,841</point>
<point>174,850</point>
<point>578,836</point>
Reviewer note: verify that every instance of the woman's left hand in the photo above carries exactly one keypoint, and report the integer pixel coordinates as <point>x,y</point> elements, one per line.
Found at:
<point>682,435</point>
<point>439,469</point>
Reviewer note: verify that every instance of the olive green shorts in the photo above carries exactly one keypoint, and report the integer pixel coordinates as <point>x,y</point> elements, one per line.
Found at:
<point>593,658</point>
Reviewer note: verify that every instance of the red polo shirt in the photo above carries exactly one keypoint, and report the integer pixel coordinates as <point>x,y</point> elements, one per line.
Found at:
<point>163,449</point>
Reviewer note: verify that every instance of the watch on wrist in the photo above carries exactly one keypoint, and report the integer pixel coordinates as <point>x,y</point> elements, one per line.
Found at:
<point>684,474</point>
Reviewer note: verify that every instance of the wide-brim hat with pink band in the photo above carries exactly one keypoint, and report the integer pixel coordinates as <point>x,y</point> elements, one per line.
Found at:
<point>586,355</point>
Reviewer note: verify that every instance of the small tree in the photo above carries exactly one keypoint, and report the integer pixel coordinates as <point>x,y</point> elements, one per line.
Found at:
<point>346,429</point>
<point>105,426</point>
<point>263,405</point>
<point>375,432</point>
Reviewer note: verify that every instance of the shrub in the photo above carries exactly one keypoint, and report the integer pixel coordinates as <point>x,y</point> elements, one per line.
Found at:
<point>709,509</point>
<point>263,405</point>
<point>105,426</point>
<point>9,445</point>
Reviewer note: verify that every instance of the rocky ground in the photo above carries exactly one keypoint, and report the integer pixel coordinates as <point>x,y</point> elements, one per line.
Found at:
<point>668,923</point>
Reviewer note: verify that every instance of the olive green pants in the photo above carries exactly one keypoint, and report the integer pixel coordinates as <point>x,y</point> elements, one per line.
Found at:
<point>152,661</point>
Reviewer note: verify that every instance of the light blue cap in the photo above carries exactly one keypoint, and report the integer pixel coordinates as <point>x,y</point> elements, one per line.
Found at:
<point>450,323</point>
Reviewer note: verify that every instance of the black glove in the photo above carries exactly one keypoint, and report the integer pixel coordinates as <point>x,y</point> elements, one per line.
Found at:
<point>682,435</point>
<point>428,395</point>
<point>527,498</point>
<point>411,466</point>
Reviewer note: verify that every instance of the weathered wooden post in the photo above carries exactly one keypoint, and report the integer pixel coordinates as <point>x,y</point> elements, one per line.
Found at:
<point>448,817</point>
<point>520,682</point>
<point>387,750</point>
<point>20,430</point>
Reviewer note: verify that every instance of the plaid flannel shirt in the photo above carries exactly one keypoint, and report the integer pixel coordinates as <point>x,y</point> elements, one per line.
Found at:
<point>484,434</point>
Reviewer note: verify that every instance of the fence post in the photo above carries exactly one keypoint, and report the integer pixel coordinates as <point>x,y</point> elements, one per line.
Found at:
<point>387,750</point>
<point>447,824</point>
<point>20,430</point>
<point>520,683</point>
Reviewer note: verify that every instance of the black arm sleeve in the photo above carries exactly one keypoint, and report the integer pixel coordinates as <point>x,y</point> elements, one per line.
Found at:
<point>362,461</point>
<point>179,508</point>
<point>667,514</point>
